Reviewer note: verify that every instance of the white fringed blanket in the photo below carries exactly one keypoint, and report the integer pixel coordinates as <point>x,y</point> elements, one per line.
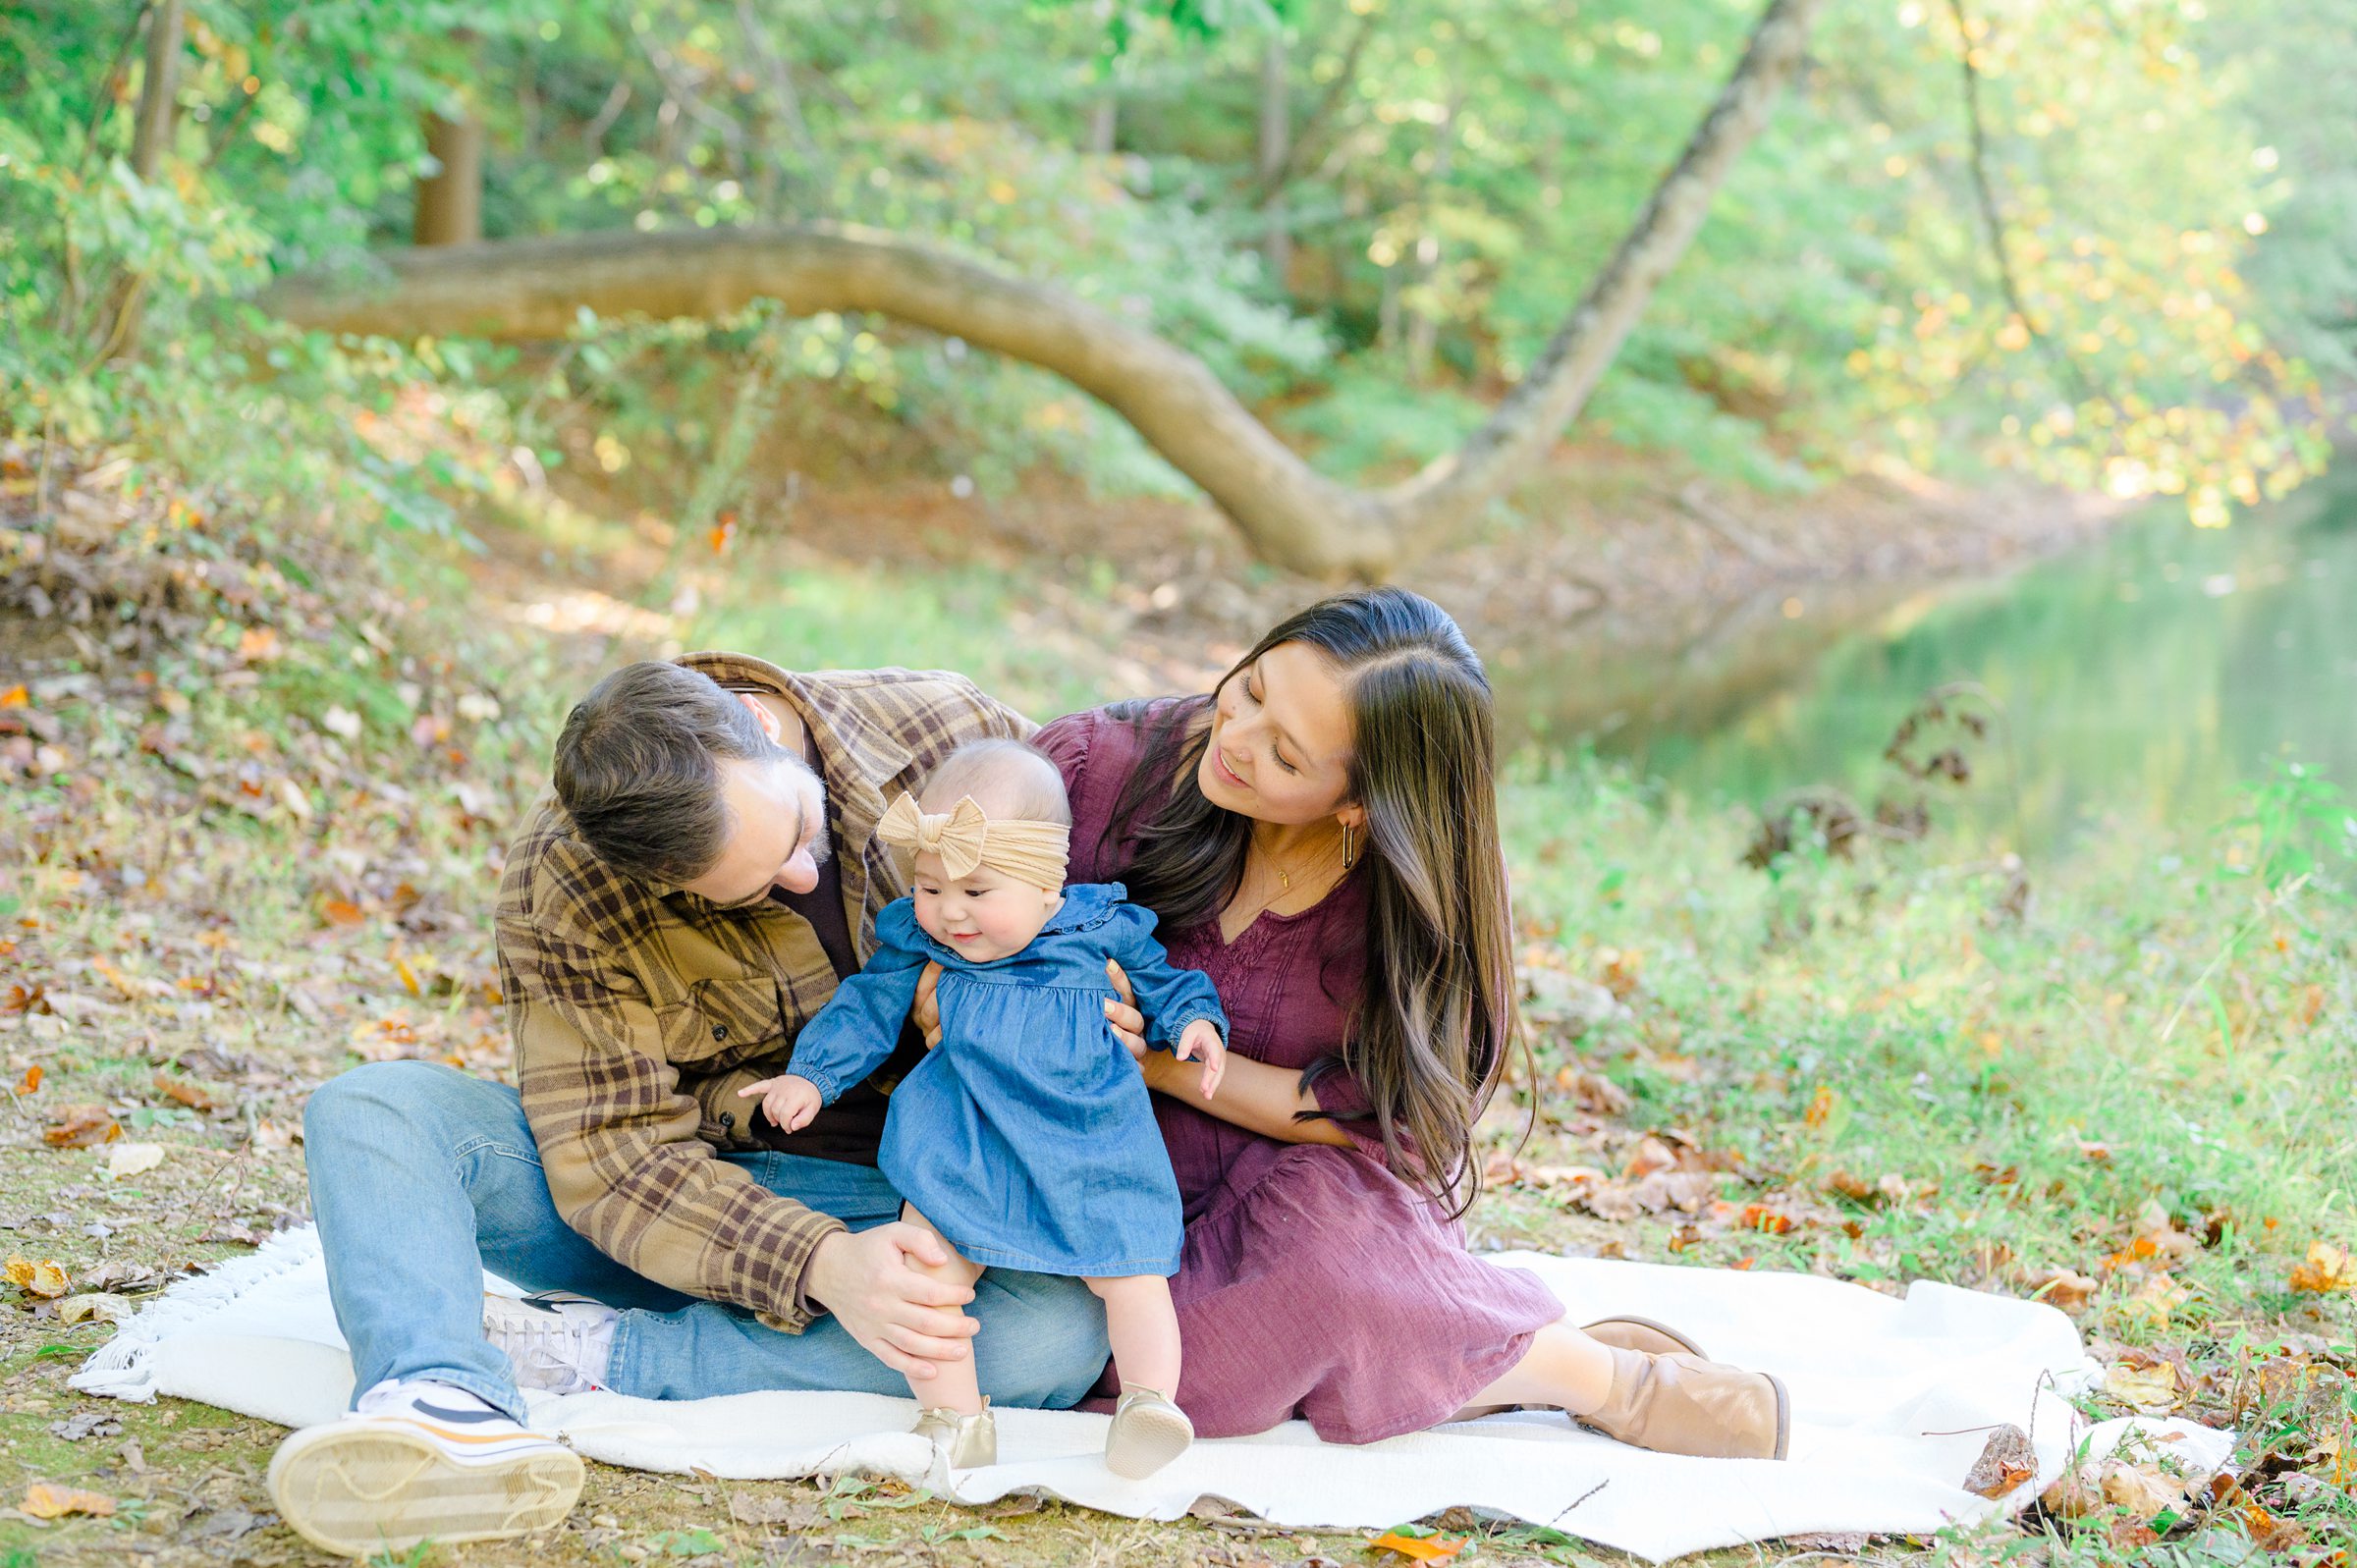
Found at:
<point>1894,1400</point>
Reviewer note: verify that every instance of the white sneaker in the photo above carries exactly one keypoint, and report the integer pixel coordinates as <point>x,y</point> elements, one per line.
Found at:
<point>419,1461</point>
<point>556,1341</point>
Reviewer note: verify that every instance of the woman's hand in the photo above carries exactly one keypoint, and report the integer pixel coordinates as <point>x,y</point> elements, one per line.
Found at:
<point>1200,1042</point>
<point>789,1101</point>
<point>925,1011</point>
<point>1128,1024</point>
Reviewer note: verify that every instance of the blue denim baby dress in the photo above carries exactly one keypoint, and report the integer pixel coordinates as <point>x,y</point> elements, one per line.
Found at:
<point>1026,1135</point>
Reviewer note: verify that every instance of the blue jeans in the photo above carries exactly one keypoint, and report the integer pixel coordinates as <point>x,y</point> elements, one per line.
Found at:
<point>421,1178</point>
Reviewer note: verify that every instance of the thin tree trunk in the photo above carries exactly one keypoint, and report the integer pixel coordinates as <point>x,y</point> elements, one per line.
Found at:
<point>787,105</point>
<point>1276,147</point>
<point>151,136</point>
<point>1104,120</point>
<point>153,131</point>
<point>449,202</point>
<point>1424,318</point>
<point>1288,512</point>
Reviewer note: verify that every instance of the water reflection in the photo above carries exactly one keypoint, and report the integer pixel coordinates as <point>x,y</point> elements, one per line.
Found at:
<point>2141,678</point>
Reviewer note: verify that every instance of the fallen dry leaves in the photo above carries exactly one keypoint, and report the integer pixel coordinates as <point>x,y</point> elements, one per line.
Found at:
<point>80,1126</point>
<point>2066,1288</point>
<point>44,1279</point>
<point>194,1095</point>
<point>1419,1549</point>
<point>44,1500</point>
<point>132,1159</point>
<point>2152,1389</point>
<point>100,1305</point>
<point>2007,1462</point>
<point>2324,1269</point>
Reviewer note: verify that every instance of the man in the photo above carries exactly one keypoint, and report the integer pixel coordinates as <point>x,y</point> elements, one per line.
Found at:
<point>703,878</point>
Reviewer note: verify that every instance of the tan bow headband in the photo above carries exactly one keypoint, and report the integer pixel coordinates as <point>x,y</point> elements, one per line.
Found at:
<point>1030,851</point>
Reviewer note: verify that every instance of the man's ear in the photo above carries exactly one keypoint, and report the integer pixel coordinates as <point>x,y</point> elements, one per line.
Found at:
<point>762,716</point>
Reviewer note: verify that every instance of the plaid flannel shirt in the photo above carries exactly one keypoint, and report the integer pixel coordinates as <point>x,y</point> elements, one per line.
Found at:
<point>638,1010</point>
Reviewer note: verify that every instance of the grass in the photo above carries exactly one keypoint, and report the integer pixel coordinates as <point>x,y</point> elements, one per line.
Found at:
<point>2119,1081</point>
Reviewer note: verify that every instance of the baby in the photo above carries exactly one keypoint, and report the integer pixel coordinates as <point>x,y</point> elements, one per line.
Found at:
<point>1024,1138</point>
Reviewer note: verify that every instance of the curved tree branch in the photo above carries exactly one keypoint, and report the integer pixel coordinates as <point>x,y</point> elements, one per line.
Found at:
<point>1984,192</point>
<point>1289,513</point>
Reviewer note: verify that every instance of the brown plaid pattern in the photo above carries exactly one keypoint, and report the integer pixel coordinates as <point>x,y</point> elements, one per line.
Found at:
<point>639,1010</point>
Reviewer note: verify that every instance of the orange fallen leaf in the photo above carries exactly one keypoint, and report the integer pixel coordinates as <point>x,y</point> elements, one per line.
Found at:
<point>194,1095</point>
<point>2327,1268</point>
<point>30,1081</point>
<point>80,1126</point>
<point>2066,1288</point>
<point>44,1500</point>
<point>1821,1106</point>
<point>1419,1549</point>
<point>16,696</point>
<point>341,913</point>
<point>259,644</point>
<point>1759,1216</point>
<point>45,1278</point>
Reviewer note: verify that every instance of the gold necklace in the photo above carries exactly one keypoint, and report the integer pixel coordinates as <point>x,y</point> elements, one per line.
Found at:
<point>1284,877</point>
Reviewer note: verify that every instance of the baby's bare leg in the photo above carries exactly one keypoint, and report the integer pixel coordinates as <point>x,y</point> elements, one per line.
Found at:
<point>953,1387</point>
<point>1143,1327</point>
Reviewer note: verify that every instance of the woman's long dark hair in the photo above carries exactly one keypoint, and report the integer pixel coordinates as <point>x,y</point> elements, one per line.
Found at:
<point>1429,1030</point>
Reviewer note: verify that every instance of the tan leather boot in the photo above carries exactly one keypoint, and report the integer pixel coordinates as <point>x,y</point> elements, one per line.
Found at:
<point>1681,1404</point>
<point>1148,1432</point>
<point>965,1440</point>
<point>1642,1334</point>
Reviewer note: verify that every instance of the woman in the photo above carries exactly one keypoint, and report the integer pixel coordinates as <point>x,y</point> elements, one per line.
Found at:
<point>1320,837</point>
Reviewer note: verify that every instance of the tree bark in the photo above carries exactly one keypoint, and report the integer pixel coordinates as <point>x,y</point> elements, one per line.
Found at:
<point>449,202</point>
<point>150,135</point>
<point>1289,513</point>
<point>1275,147</point>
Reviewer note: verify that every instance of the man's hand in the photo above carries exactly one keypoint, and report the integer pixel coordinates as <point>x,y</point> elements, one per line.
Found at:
<point>789,1100</point>
<point>1200,1042</point>
<point>1128,1024</point>
<point>904,1318</point>
<point>925,1011</point>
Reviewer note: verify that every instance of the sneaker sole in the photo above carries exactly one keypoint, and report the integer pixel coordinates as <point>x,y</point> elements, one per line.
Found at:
<point>354,1489</point>
<point>1142,1441</point>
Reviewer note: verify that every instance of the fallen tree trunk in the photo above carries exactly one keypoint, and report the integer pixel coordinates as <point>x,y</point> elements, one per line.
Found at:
<point>1289,513</point>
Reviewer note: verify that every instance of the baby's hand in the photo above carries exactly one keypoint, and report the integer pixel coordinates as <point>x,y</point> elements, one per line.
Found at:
<point>789,1100</point>
<point>1200,1042</point>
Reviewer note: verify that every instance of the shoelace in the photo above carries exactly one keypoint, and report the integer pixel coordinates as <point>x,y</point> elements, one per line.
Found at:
<point>551,1338</point>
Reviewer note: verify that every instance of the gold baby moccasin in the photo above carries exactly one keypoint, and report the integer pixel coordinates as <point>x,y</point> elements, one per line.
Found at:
<point>1148,1432</point>
<point>965,1440</point>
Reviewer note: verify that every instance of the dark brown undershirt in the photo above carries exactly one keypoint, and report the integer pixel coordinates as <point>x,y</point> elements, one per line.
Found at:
<point>853,1127</point>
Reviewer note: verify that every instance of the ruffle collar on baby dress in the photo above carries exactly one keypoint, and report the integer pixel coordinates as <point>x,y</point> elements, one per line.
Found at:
<point>1086,904</point>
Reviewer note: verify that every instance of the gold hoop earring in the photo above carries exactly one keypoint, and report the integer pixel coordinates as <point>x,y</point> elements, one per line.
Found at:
<point>1349,848</point>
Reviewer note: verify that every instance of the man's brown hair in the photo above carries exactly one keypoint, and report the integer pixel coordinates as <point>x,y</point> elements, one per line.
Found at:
<point>638,768</point>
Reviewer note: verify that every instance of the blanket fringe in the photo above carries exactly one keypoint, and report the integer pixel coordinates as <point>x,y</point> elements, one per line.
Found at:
<point>124,1367</point>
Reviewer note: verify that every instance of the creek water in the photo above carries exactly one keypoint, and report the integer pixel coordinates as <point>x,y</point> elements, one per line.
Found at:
<point>2133,683</point>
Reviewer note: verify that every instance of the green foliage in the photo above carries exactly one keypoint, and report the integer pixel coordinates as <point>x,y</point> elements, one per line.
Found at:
<point>2291,827</point>
<point>2174,189</point>
<point>2002,1084</point>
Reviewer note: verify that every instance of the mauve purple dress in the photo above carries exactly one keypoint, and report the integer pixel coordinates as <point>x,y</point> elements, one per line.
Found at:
<point>1314,1282</point>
